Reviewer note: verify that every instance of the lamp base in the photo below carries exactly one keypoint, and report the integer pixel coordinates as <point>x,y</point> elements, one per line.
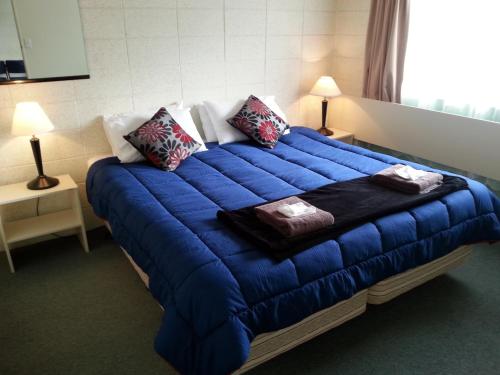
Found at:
<point>42,182</point>
<point>325,131</point>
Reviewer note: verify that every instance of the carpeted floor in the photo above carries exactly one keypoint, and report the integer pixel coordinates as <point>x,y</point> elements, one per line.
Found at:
<point>66,312</point>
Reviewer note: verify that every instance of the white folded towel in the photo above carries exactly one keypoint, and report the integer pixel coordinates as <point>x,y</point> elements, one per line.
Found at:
<point>296,209</point>
<point>409,173</point>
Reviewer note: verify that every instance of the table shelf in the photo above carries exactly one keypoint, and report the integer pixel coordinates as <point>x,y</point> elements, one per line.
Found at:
<point>24,229</point>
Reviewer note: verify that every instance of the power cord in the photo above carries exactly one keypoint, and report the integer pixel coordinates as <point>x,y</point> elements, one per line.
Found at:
<point>38,214</point>
<point>37,206</point>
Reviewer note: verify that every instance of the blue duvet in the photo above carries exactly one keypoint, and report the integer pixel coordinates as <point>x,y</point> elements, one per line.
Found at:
<point>218,290</point>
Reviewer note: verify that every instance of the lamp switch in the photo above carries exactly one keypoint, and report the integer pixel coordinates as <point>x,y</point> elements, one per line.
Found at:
<point>27,43</point>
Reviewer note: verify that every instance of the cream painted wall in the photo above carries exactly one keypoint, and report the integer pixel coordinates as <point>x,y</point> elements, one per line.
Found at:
<point>464,143</point>
<point>145,53</point>
<point>351,22</point>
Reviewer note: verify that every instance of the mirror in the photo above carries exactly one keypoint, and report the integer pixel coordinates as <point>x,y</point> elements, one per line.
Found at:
<point>41,40</point>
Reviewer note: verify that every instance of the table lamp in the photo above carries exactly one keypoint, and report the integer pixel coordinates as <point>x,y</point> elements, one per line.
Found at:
<point>327,88</point>
<point>30,119</point>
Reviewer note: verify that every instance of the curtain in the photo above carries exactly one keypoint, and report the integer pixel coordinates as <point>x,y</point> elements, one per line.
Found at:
<point>385,49</point>
<point>452,60</point>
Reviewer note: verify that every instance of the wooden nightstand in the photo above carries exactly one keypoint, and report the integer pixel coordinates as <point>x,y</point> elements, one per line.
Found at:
<point>342,135</point>
<point>19,230</point>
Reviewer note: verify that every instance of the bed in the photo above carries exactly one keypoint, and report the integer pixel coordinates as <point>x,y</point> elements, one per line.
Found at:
<point>228,305</point>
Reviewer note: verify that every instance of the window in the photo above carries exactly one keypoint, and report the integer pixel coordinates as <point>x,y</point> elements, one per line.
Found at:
<point>453,57</point>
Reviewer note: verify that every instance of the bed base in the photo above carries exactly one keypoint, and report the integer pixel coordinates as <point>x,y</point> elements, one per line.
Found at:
<point>144,277</point>
<point>394,286</point>
<point>269,345</point>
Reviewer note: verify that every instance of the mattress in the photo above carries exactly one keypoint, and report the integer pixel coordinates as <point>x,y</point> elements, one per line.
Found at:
<point>219,291</point>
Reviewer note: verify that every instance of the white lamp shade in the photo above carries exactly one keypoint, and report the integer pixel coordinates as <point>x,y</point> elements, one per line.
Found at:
<point>29,118</point>
<point>326,87</point>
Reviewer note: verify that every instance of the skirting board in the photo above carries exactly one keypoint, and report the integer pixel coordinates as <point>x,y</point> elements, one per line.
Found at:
<point>393,287</point>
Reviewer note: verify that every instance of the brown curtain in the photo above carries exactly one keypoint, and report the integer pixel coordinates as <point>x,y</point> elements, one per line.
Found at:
<point>385,49</point>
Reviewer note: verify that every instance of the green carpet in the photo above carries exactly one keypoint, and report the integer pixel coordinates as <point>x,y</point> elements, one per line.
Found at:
<point>67,312</point>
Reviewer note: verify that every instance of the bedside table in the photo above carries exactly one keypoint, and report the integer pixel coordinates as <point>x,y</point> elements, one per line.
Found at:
<point>19,230</point>
<point>342,135</point>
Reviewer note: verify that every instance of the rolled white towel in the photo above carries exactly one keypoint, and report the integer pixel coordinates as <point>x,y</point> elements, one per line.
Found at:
<point>409,173</point>
<point>296,210</point>
<point>407,179</point>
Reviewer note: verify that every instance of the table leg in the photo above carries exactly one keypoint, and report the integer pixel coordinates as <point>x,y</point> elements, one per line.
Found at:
<point>82,236</point>
<point>5,244</point>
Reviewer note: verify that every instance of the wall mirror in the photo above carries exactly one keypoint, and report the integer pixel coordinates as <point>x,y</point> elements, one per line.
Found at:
<point>41,40</point>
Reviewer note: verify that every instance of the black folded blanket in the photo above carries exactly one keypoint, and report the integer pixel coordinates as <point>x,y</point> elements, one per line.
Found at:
<point>352,203</point>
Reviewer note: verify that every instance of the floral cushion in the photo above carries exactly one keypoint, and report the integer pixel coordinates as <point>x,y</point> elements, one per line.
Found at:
<point>163,141</point>
<point>259,122</point>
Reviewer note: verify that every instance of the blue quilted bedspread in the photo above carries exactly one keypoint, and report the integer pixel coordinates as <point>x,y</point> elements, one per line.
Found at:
<point>218,290</point>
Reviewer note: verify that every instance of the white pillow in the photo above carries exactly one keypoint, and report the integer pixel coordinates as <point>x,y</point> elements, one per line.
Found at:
<point>219,112</point>
<point>184,119</point>
<point>206,124</point>
<point>270,101</point>
<point>117,125</point>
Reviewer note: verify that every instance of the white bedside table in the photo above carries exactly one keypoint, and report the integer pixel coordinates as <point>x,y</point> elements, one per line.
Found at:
<point>24,229</point>
<point>342,135</point>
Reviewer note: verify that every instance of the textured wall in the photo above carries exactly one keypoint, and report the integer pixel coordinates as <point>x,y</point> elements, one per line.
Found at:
<point>146,53</point>
<point>351,22</point>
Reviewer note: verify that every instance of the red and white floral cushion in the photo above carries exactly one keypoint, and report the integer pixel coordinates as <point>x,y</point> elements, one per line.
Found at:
<point>259,122</point>
<point>163,141</point>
